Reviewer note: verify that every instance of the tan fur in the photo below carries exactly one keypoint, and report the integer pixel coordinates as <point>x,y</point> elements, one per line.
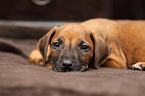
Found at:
<point>126,39</point>
<point>35,57</point>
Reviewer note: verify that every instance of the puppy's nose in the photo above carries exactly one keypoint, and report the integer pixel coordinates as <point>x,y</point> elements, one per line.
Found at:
<point>67,63</point>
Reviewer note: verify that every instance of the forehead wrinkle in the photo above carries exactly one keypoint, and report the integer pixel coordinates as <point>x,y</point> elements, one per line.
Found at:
<point>71,38</point>
<point>72,33</point>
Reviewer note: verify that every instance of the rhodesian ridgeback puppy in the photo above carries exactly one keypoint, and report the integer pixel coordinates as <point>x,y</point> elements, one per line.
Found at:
<point>96,42</point>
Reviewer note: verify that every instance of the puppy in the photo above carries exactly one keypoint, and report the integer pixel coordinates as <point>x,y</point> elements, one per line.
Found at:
<point>95,42</point>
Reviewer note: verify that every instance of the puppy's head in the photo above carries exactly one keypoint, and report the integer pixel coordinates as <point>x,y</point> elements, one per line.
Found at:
<point>72,47</point>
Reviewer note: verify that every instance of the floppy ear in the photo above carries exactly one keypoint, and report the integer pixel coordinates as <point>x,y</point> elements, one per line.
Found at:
<point>44,42</point>
<point>101,50</point>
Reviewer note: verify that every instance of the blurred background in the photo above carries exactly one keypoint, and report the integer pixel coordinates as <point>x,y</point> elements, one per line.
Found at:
<point>69,10</point>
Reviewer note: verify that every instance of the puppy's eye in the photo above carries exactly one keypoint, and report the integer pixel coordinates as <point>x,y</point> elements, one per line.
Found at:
<point>84,47</point>
<point>56,44</point>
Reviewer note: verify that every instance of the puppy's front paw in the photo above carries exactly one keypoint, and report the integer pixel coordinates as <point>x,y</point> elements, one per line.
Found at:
<point>36,58</point>
<point>138,66</point>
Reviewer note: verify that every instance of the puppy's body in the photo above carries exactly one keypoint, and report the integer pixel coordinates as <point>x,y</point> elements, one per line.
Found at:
<point>125,38</point>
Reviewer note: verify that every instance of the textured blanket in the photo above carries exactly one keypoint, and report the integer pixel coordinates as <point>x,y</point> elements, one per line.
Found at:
<point>20,78</point>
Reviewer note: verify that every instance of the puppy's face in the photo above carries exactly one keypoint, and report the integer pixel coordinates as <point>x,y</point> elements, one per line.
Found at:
<point>71,49</point>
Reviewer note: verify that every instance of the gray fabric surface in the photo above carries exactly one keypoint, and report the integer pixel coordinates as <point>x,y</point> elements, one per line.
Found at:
<point>20,78</point>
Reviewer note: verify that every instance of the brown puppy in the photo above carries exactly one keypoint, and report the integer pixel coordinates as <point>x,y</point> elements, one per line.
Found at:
<point>100,42</point>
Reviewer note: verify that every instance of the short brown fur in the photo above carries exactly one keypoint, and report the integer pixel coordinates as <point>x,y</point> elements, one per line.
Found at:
<point>125,38</point>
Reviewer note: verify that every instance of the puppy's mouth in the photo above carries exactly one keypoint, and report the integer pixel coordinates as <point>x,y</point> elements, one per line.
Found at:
<point>68,69</point>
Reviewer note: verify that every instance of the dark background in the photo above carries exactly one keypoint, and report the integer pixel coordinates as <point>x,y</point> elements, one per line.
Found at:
<point>72,9</point>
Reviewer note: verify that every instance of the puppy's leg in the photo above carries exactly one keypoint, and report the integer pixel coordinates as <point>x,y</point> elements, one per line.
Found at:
<point>138,66</point>
<point>36,58</point>
<point>116,59</point>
